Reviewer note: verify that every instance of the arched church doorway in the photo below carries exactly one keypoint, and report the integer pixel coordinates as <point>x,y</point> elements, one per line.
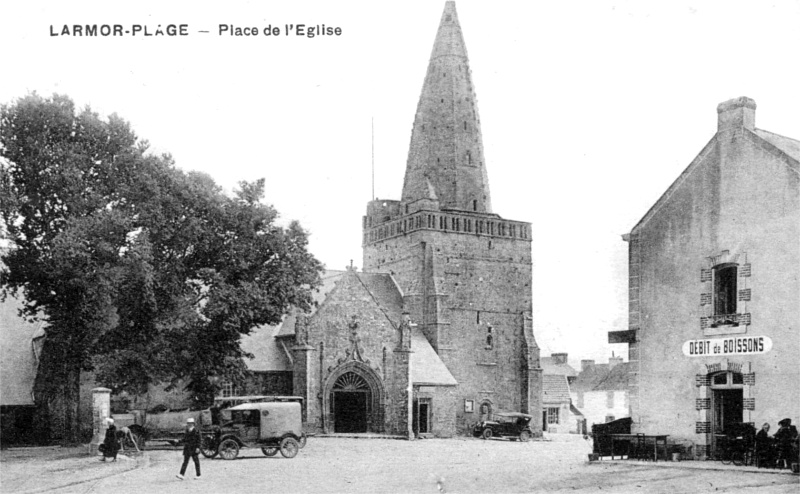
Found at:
<point>351,400</point>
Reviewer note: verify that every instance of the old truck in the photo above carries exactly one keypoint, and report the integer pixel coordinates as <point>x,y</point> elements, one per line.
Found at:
<point>169,426</point>
<point>269,426</point>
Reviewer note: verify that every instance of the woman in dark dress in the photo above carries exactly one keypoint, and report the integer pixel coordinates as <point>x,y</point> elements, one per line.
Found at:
<point>110,442</point>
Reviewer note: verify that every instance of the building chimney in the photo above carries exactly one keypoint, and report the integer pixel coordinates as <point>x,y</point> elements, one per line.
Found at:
<point>737,112</point>
<point>587,365</point>
<point>613,361</point>
<point>559,358</point>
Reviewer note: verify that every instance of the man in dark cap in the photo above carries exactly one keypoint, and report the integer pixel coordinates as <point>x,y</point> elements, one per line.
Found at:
<point>785,439</point>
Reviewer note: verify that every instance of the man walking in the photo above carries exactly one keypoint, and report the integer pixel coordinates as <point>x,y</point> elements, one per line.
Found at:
<point>191,448</point>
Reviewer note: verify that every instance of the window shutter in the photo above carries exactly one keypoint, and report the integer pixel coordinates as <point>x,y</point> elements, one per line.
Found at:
<point>705,275</point>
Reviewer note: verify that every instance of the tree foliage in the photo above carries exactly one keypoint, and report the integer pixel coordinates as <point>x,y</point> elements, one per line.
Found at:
<point>143,272</point>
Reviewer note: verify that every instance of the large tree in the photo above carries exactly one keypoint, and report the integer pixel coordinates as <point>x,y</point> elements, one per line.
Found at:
<point>143,273</point>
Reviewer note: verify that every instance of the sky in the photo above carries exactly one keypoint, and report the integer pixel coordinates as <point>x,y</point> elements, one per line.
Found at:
<point>589,111</point>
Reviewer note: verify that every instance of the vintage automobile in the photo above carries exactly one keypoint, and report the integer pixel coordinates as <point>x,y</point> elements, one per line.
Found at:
<point>167,426</point>
<point>272,426</point>
<point>511,425</point>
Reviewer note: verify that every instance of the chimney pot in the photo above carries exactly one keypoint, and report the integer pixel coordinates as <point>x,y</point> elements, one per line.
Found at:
<point>736,112</point>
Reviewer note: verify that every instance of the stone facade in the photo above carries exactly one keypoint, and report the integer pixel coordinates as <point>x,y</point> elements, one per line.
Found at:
<point>713,270</point>
<point>465,272</point>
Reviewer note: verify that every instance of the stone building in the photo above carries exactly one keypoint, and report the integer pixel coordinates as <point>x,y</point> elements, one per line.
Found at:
<point>558,413</point>
<point>714,288</point>
<point>601,392</point>
<point>436,332</point>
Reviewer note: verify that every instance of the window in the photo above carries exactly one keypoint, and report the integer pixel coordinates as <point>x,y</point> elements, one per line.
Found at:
<point>609,418</point>
<point>552,415</point>
<point>228,389</point>
<point>489,337</point>
<point>609,400</point>
<point>727,379</point>
<point>725,294</point>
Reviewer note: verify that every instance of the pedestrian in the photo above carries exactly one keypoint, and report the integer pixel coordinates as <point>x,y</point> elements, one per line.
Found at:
<point>110,446</point>
<point>191,448</point>
<point>784,439</point>
<point>764,453</point>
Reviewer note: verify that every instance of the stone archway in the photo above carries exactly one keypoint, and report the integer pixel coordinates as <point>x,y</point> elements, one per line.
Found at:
<point>353,400</point>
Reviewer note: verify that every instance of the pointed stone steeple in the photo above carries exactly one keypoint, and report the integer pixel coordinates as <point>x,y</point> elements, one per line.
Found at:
<point>446,147</point>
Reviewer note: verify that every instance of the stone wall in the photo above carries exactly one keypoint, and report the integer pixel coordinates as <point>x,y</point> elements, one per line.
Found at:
<point>739,203</point>
<point>367,347</point>
<point>470,293</point>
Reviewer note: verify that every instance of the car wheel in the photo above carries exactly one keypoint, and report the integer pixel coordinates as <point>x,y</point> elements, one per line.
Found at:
<point>228,449</point>
<point>208,447</point>
<point>524,436</point>
<point>487,433</point>
<point>302,441</point>
<point>269,451</point>
<point>289,447</point>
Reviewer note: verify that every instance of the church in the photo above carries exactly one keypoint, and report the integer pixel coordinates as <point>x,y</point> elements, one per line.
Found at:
<point>436,333</point>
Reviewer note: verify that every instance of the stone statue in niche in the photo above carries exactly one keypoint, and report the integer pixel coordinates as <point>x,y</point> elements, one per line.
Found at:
<point>405,332</point>
<point>301,330</point>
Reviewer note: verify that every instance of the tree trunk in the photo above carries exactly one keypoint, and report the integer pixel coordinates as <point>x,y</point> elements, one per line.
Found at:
<point>57,396</point>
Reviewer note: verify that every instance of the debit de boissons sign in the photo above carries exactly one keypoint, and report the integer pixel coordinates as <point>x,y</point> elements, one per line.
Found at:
<point>740,345</point>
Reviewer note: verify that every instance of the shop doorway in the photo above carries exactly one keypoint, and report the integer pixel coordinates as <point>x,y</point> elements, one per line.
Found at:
<point>728,409</point>
<point>727,405</point>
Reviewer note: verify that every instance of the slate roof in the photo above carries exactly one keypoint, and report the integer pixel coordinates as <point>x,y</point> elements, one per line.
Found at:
<point>786,144</point>
<point>426,366</point>
<point>268,352</point>
<point>549,367</point>
<point>615,380</point>
<point>590,377</point>
<point>267,343</point>
<point>386,294</point>
<point>600,377</point>
<point>555,389</point>
<point>329,279</point>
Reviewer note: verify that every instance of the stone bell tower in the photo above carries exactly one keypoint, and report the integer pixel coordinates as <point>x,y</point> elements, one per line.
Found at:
<point>465,272</point>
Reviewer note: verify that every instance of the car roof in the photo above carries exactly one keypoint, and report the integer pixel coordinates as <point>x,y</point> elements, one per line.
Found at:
<point>257,398</point>
<point>265,406</point>
<point>514,414</point>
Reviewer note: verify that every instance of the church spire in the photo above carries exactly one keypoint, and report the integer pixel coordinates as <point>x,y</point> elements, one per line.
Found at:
<point>446,148</point>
